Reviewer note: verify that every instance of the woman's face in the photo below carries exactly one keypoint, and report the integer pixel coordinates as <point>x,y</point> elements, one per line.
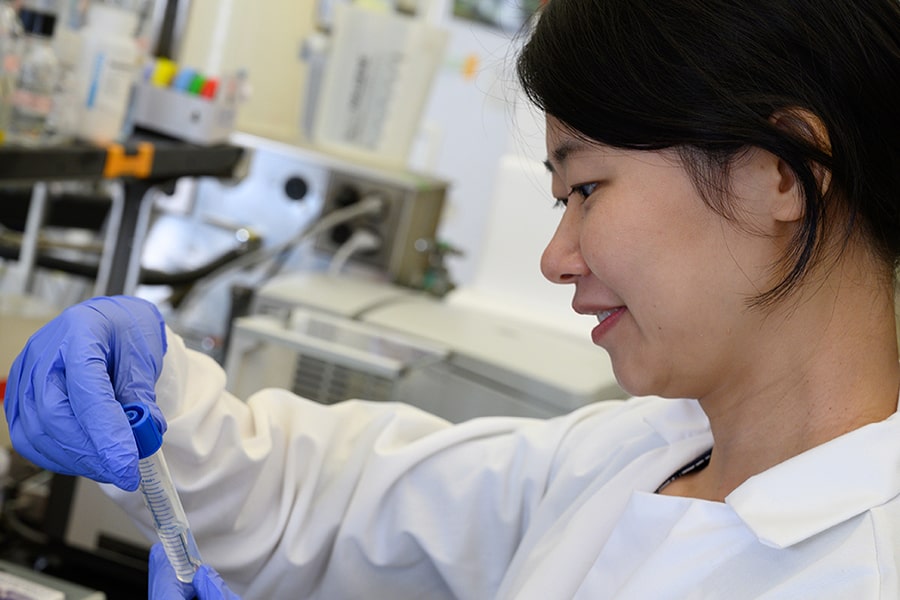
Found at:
<point>668,278</point>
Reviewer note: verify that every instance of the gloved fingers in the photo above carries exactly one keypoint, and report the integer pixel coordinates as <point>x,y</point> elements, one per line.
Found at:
<point>66,388</point>
<point>134,320</point>
<point>40,458</point>
<point>162,583</point>
<point>55,439</point>
<point>90,438</point>
<point>210,586</point>
<point>144,319</point>
<point>99,415</point>
<point>29,418</point>
<point>117,364</point>
<point>136,349</point>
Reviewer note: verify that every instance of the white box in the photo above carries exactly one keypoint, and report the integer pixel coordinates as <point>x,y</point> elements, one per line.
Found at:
<point>185,116</point>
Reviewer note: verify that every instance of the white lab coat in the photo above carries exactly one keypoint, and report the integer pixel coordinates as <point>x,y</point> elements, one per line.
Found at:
<point>292,499</point>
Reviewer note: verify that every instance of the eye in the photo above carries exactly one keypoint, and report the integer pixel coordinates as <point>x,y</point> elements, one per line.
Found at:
<point>584,190</point>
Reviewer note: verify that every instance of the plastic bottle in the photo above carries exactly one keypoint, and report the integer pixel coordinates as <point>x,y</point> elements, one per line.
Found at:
<point>10,38</point>
<point>36,81</point>
<point>107,71</point>
<point>10,31</point>
<point>62,122</point>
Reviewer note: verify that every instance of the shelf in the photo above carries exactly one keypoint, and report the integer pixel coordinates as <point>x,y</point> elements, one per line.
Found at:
<point>143,162</point>
<point>143,157</point>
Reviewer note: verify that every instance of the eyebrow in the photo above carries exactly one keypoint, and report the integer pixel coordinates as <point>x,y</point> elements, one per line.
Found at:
<point>563,151</point>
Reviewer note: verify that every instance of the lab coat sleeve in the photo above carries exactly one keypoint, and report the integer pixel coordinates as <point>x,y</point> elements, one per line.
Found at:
<point>290,498</point>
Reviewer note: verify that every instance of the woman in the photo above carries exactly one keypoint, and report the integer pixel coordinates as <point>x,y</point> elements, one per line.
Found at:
<point>730,173</point>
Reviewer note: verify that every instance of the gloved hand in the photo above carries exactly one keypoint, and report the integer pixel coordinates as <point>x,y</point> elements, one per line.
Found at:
<point>164,585</point>
<point>209,585</point>
<point>65,390</point>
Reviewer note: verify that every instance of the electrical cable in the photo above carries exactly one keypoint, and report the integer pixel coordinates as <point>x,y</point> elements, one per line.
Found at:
<point>362,240</point>
<point>370,205</point>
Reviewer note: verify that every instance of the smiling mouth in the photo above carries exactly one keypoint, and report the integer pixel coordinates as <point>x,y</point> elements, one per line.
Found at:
<point>602,316</point>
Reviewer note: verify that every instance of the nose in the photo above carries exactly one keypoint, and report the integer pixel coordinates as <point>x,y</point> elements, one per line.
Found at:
<point>562,261</point>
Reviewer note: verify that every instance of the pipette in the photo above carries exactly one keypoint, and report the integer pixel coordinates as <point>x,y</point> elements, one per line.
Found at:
<point>160,496</point>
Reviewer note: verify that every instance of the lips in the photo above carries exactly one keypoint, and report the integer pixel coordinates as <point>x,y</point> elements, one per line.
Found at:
<point>606,320</point>
<point>602,305</point>
<point>605,314</point>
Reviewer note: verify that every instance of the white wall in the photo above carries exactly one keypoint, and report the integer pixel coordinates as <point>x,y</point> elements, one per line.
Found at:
<point>473,121</point>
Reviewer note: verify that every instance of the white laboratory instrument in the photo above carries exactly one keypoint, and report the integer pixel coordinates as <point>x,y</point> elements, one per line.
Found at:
<point>332,338</point>
<point>159,493</point>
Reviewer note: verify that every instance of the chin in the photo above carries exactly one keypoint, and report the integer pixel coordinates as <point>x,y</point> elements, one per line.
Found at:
<point>639,382</point>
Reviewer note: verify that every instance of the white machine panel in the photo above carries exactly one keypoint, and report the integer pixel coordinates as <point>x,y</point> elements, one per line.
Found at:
<point>557,369</point>
<point>479,363</point>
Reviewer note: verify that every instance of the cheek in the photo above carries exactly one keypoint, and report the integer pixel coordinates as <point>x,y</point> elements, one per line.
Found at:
<point>640,245</point>
<point>671,267</point>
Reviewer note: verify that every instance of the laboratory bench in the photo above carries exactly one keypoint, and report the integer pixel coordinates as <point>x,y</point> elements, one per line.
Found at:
<point>35,539</point>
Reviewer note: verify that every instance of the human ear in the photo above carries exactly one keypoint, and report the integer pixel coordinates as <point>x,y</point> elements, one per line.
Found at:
<point>808,128</point>
<point>787,204</point>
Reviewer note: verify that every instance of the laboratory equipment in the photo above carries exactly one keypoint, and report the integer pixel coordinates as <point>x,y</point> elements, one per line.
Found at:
<point>300,183</point>
<point>454,360</point>
<point>203,111</point>
<point>338,359</point>
<point>287,188</point>
<point>377,79</point>
<point>160,496</point>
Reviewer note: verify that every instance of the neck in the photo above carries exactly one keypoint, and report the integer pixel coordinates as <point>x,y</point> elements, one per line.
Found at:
<point>824,370</point>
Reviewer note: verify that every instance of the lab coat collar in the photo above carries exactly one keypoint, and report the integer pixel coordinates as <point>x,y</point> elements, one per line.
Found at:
<point>822,487</point>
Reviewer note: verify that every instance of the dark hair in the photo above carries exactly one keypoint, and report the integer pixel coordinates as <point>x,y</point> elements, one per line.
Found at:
<point>706,77</point>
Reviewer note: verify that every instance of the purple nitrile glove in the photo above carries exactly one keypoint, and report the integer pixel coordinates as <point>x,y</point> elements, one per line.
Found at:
<point>65,390</point>
<point>164,585</point>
